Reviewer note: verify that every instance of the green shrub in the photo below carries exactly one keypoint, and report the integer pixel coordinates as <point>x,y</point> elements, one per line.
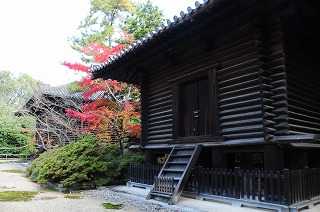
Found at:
<point>13,137</point>
<point>82,161</point>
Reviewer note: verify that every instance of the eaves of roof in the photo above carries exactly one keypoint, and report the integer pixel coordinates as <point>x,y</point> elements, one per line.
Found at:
<point>164,28</point>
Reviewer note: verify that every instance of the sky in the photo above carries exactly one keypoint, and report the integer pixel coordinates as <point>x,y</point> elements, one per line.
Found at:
<point>34,35</point>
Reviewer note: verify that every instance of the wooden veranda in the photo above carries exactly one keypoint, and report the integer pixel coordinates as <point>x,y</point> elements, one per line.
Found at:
<point>280,190</point>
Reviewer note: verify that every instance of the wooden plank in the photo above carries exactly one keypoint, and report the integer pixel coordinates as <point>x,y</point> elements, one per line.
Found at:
<point>266,186</point>
<point>272,185</point>
<point>238,123</point>
<point>259,186</point>
<point>253,184</point>
<point>278,187</point>
<point>225,183</point>
<point>237,183</point>
<point>212,183</point>
<point>216,182</point>
<point>247,184</point>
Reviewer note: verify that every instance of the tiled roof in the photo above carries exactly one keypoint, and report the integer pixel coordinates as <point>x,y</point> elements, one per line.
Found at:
<point>158,30</point>
<point>60,91</point>
<point>63,92</point>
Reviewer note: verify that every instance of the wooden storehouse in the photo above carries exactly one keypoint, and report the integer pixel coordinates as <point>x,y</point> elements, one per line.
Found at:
<point>228,84</point>
<point>53,127</point>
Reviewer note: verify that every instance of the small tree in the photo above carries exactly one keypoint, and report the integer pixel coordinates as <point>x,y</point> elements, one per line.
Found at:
<point>15,132</point>
<point>114,110</point>
<point>144,18</point>
<point>100,24</point>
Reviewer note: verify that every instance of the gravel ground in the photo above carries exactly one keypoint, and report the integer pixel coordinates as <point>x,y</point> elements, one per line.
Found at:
<point>52,201</point>
<point>138,202</point>
<point>133,199</point>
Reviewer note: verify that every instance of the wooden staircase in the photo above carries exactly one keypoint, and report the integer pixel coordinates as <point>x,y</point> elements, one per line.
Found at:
<point>174,173</point>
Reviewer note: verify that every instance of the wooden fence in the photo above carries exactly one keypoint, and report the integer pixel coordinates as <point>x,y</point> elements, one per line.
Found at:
<point>164,184</point>
<point>285,187</point>
<point>280,187</point>
<point>15,157</point>
<point>144,173</point>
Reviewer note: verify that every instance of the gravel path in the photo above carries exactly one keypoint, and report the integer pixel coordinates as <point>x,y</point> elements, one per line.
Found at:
<point>52,201</point>
<point>138,202</point>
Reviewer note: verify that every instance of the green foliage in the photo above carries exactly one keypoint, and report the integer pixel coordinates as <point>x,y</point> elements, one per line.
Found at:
<point>145,18</point>
<point>69,196</point>
<point>82,161</point>
<point>100,24</point>
<point>17,196</point>
<point>110,206</point>
<point>15,91</point>
<point>13,137</point>
<point>15,131</point>
<point>73,87</point>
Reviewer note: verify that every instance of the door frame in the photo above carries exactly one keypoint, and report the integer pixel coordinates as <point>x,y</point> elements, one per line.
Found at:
<point>214,124</point>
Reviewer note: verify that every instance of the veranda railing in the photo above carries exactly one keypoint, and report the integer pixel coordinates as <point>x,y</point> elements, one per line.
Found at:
<point>144,173</point>
<point>280,187</point>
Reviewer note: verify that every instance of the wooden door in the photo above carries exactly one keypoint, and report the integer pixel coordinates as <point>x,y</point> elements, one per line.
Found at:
<point>194,108</point>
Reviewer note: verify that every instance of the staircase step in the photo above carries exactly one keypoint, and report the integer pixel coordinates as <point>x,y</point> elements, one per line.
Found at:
<point>178,162</point>
<point>185,148</point>
<point>162,194</point>
<point>182,155</point>
<point>178,166</point>
<point>173,170</point>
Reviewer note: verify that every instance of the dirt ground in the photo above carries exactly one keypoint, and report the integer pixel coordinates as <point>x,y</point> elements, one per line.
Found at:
<point>46,200</point>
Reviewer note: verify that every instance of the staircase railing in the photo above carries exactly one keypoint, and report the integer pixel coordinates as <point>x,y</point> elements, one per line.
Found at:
<point>164,184</point>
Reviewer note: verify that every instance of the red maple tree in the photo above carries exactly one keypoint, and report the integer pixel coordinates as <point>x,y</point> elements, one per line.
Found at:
<point>112,108</point>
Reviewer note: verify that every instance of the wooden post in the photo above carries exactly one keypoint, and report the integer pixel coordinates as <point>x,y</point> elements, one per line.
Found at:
<point>286,184</point>
<point>219,159</point>
<point>266,186</point>
<point>130,171</point>
<point>242,183</point>
<point>259,185</point>
<point>308,185</point>
<point>278,186</point>
<point>237,182</point>
<point>199,178</point>
<point>253,187</point>
<point>273,157</point>
<point>247,179</point>
<point>212,181</point>
<point>272,186</point>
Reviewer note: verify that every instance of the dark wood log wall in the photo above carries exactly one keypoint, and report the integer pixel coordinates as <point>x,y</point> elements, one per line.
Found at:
<point>276,63</point>
<point>303,86</point>
<point>250,57</point>
<point>239,86</point>
<point>269,40</point>
<point>266,86</point>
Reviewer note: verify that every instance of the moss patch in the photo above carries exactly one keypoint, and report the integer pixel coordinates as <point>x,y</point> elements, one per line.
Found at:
<point>13,171</point>
<point>46,198</point>
<point>69,196</point>
<point>4,162</point>
<point>108,205</point>
<point>16,196</point>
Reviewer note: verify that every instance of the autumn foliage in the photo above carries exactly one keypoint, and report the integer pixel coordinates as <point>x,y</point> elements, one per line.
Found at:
<point>112,108</point>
